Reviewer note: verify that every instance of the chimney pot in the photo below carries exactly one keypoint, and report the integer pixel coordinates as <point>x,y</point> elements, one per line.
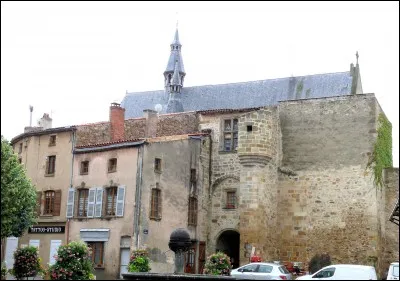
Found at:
<point>117,122</point>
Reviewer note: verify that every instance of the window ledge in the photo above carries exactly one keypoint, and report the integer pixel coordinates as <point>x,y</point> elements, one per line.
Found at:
<point>82,174</point>
<point>49,175</point>
<point>227,209</point>
<point>227,152</point>
<point>46,216</point>
<point>112,171</point>
<point>100,267</point>
<point>52,144</point>
<point>158,171</point>
<point>155,219</point>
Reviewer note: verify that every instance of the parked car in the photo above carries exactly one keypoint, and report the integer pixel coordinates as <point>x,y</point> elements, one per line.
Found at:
<point>343,272</point>
<point>393,273</point>
<point>262,271</point>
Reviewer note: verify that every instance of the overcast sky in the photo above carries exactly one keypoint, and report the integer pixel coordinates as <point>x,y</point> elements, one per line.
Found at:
<point>72,59</point>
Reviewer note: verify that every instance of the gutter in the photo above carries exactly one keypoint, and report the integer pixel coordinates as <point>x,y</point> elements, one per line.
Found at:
<point>107,147</point>
<point>71,180</point>
<point>138,195</point>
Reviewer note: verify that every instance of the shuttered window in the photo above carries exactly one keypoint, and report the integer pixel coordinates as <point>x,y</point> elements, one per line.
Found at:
<point>70,203</point>
<point>111,201</point>
<point>38,202</point>
<point>49,202</point>
<point>83,197</point>
<point>155,212</point>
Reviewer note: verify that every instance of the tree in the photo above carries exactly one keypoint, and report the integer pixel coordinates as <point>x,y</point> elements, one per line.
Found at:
<point>18,195</point>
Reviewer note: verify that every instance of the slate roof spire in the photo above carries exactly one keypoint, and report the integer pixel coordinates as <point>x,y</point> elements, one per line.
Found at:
<point>174,100</point>
<point>176,78</point>
<point>174,62</point>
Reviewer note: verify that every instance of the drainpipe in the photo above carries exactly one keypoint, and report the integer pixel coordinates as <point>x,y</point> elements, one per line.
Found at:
<point>71,181</point>
<point>138,195</point>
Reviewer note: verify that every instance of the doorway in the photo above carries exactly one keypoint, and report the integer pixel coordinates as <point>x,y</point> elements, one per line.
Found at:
<point>229,243</point>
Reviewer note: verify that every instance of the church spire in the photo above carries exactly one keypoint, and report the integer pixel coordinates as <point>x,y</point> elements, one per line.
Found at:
<point>174,102</point>
<point>174,62</point>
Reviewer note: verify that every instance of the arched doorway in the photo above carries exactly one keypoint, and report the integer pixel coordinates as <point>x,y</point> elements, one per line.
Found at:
<point>229,243</point>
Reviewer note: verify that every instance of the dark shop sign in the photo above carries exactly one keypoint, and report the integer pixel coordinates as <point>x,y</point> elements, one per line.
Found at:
<point>46,229</point>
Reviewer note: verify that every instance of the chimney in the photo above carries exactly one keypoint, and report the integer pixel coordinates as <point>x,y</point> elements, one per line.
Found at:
<point>45,122</point>
<point>117,122</point>
<point>151,123</point>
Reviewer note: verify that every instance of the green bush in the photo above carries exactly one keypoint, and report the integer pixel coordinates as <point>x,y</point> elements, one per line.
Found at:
<point>73,262</point>
<point>3,271</point>
<point>319,261</point>
<point>26,262</point>
<point>218,264</point>
<point>139,261</point>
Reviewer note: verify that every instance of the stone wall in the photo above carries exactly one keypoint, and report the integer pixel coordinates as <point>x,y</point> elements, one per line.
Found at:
<point>327,204</point>
<point>389,230</point>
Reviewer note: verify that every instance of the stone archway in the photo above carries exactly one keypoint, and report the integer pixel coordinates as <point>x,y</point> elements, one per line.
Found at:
<point>229,243</point>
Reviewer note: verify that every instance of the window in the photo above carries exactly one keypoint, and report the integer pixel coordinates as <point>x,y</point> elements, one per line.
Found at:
<point>231,200</point>
<point>157,165</point>
<point>329,272</point>
<point>84,167</point>
<point>83,202</point>
<point>20,148</point>
<point>249,128</point>
<point>192,175</point>
<point>111,200</point>
<point>20,160</point>
<point>192,214</point>
<point>49,202</point>
<point>155,212</point>
<point>52,140</point>
<point>51,165</point>
<point>230,135</point>
<point>249,268</point>
<point>112,165</point>
<point>265,268</point>
<point>96,253</point>
<point>190,260</point>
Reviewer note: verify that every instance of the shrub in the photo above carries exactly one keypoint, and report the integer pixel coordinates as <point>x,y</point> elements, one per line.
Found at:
<point>26,262</point>
<point>319,261</point>
<point>218,264</point>
<point>3,271</point>
<point>73,262</point>
<point>139,261</point>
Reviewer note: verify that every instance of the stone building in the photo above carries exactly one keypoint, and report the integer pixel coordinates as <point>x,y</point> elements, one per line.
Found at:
<point>274,167</point>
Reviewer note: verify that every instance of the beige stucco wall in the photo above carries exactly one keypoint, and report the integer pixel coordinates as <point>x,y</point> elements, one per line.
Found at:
<point>178,156</point>
<point>35,149</point>
<point>98,176</point>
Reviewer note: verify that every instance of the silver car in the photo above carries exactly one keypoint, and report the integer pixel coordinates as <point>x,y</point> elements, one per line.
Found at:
<point>262,271</point>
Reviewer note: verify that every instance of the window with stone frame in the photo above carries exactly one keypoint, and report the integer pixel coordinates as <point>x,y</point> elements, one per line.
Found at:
<point>111,201</point>
<point>230,199</point>
<point>112,165</point>
<point>83,195</point>
<point>230,134</point>
<point>51,165</point>
<point>20,148</point>
<point>52,140</point>
<point>84,168</point>
<point>192,214</point>
<point>155,204</point>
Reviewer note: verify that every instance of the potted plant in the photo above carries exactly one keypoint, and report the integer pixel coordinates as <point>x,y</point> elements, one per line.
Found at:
<point>73,262</point>
<point>218,264</point>
<point>139,261</point>
<point>26,263</point>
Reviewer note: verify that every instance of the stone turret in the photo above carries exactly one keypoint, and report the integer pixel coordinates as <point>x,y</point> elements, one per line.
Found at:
<point>259,152</point>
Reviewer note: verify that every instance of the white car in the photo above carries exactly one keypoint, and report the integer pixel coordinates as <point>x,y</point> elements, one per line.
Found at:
<point>393,273</point>
<point>262,271</point>
<point>343,272</point>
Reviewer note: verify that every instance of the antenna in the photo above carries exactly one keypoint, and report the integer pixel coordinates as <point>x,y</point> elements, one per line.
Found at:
<point>30,118</point>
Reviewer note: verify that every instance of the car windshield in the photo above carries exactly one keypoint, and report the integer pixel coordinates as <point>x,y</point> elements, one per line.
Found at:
<point>283,270</point>
<point>396,271</point>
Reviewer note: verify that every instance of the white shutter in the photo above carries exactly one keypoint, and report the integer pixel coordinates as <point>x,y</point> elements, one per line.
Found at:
<point>99,202</point>
<point>120,201</point>
<point>91,202</point>
<point>70,202</point>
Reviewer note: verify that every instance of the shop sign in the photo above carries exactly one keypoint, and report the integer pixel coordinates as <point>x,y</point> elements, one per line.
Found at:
<point>46,229</point>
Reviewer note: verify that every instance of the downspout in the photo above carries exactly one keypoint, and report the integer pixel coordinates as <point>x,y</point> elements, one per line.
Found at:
<point>71,180</point>
<point>138,195</point>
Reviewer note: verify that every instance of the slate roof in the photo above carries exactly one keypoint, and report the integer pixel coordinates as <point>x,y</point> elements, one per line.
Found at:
<point>244,94</point>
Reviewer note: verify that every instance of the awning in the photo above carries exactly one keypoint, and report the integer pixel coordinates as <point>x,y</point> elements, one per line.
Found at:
<point>95,234</point>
